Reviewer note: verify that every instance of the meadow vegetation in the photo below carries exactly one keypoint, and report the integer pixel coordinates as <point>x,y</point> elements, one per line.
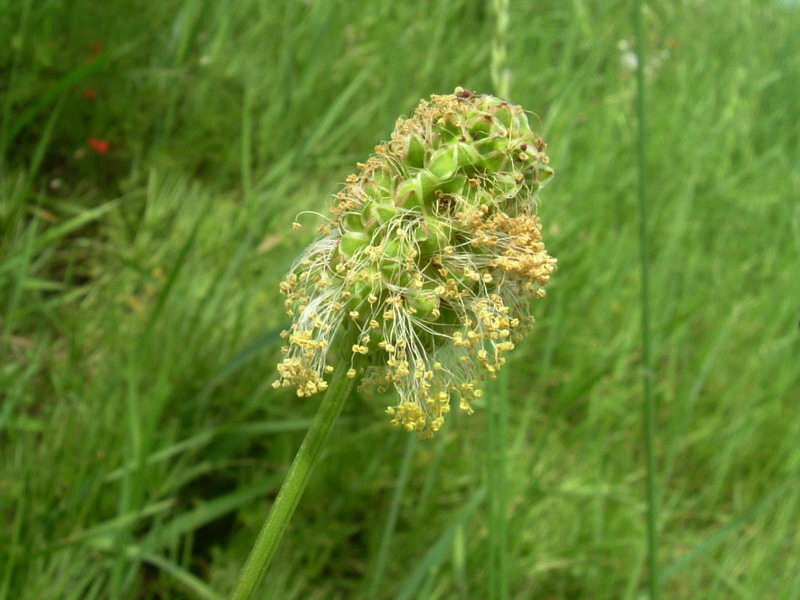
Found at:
<point>153,157</point>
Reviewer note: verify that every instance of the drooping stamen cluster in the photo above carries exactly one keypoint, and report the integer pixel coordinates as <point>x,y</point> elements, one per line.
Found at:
<point>429,261</point>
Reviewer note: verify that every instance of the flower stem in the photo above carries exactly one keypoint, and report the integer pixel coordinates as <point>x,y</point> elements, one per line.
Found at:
<point>282,510</point>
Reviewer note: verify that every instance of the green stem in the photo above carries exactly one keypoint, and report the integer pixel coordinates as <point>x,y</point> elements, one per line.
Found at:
<point>274,527</point>
<point>647,353</point>
<point>497,465</point>
<point>497,418</point>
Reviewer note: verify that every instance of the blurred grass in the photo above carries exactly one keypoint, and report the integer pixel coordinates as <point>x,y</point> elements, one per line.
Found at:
<point>647,367</point>
<point>140,441</point>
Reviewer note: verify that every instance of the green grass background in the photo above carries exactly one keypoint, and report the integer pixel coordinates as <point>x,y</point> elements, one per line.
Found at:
<point>140,440</point>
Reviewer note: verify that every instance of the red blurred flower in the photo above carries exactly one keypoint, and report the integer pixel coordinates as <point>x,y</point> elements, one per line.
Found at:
<point>90,94</point>
<point>98,145</point>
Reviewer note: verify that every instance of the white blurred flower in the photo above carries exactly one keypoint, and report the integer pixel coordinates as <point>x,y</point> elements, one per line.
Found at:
<point>629,60</point>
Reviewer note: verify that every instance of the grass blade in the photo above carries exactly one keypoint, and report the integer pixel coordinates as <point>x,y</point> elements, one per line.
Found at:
<point>379,567</point>
<point>190,582</point>
<point>647,365</point>
<point>719,536</point>
<point>438,552</point>
<point>497,419</point>
<point>210,511</point>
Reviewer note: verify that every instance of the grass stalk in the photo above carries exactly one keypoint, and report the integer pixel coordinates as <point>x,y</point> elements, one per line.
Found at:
<point>499,64</point>
<point>497,465</point>
<point>289,495</point>
<point>497,419</point>
<point>646,326</point>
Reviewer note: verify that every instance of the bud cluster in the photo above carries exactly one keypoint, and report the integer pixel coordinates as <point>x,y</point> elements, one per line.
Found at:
<point>429,262</point>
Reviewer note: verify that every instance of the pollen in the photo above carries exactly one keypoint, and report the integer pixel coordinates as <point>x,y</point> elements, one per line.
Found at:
<point>429,264</point>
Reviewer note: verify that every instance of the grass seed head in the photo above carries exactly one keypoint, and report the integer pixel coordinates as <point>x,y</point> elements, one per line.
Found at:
<point>429,261</point>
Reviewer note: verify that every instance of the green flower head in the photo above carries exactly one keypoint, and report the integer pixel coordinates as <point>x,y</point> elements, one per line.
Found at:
<point>429,262</point>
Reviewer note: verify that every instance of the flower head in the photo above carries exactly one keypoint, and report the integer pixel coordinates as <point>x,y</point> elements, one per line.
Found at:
<point>429,261</point>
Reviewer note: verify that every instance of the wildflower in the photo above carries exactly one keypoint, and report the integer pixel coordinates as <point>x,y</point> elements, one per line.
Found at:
<point>98,145</point>
<point>627,56</point>
<point>629,60</point>
<point>429,261</point>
